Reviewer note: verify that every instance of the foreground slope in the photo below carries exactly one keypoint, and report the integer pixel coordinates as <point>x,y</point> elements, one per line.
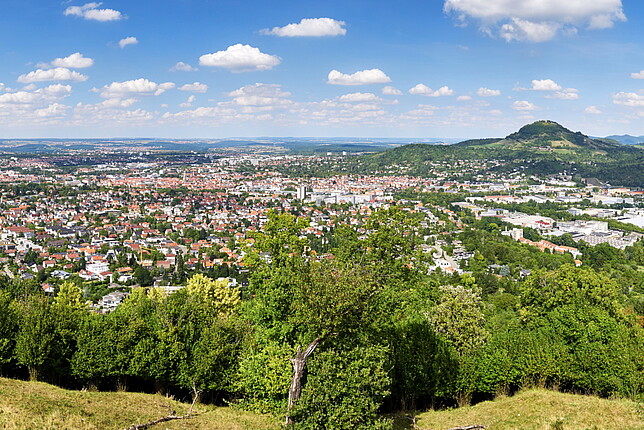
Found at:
<point>36,405</point>
<point>541,409</point>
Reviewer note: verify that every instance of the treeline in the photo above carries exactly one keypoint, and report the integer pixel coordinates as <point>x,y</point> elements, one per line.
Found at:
<point>332,342</point>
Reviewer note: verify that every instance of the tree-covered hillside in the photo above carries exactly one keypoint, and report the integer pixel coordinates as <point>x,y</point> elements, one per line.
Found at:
<point>543,147</point>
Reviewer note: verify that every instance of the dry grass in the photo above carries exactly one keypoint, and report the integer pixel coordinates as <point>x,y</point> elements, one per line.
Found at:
<point>540,410</point>
<point>35,405</point>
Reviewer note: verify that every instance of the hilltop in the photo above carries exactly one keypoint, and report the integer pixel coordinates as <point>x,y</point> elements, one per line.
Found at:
<point>546,135</point>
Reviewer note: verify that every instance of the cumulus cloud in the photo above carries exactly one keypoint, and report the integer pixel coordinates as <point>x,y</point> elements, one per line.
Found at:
<point>259,97</point>
<point>128,41</point>
<point>309,27</point>
<point>74,61</point>
<point>183,67</point>
<point>48,94</point>
<point>523,105</point>
<point>567,94</point>
<point>91,11</point>
<point>53,110</point>
<point>486,92</point>
<point>359,97</point>
<point>121,90</point>
<point>463,98</point>
<point>629,99</point>
<point>519,29</point>
<point>593,110</point>
<point>638,75</point>
<point>188,102</point>
<point>56,74</point>
<point>536,20</point>
<point>363,77</point>
<point>240,58</point>
<point>545,85</point>
<point>391,91</point>
<point>422,89</point>
<point>196,87</point>
<point>117,103</point>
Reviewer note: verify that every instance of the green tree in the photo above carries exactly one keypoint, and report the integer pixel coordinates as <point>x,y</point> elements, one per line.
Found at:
<point>36,336</point>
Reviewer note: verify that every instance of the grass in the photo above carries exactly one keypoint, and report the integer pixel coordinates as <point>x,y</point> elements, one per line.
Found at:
<point>540,410</point>
<point>35,405</point>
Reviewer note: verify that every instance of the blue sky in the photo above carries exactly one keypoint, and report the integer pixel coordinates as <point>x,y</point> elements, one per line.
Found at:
<point>408,68</point>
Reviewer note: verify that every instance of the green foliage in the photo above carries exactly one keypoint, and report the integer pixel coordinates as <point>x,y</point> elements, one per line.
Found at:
<point>8,326</point>
<point>344,390</point>
<point>36,336</point>
<point>458,318</point>
<point>264,377</point>
<point>215,294</point>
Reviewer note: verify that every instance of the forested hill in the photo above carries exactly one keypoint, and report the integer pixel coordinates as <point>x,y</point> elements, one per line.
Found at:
<point>546,135</point>
<point>543,147</point>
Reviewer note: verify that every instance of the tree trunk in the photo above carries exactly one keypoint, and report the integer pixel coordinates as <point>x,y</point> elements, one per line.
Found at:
<point>295,390</point>
<point>33,373</point>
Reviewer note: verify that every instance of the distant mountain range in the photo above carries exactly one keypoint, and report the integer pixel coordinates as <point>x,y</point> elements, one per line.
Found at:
<point>627,139</point>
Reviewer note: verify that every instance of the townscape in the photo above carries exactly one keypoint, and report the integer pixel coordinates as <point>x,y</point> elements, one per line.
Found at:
<point>155,219</point>
<point>339,215</point>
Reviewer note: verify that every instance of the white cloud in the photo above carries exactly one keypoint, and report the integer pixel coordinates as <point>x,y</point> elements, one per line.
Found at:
<point>422,89</point>
<point>183,67</point>
<point>57,74</point>
<point>196,87</point>
<point>240,58</point>
<point>638,75</point>
<point>118,103</point>
<point>545,85</point>
<point>188,102</point>
<point>519,29</point>
<point>629,99</point>
<point>486,92</point>
<point>51,93</point>
<point>262,96</point>
<point>74,61</point>
<point>53,110</point>
<point>567,94</point>
<point>391,91</point>
<point>523,105</point>
<point>593,110</point>
<point>120,90</point>
<point>363,77</point>
<point>463,98</point>
<point>128,41</point>
<point>92,11</point>
<point>359,97</point>
<point>536,20</point>
<point>309,27</point>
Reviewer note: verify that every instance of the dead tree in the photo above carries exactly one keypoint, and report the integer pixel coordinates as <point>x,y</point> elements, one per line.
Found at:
<point>299,364</point>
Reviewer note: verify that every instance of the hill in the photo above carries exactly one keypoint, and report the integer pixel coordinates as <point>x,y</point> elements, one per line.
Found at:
<point>36,405</point>
<point>546,136</point>
<point>540,148</point>
<point>540,409</point>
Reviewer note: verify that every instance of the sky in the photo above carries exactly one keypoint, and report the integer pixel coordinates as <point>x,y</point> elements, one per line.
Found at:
<point>350,68</point>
